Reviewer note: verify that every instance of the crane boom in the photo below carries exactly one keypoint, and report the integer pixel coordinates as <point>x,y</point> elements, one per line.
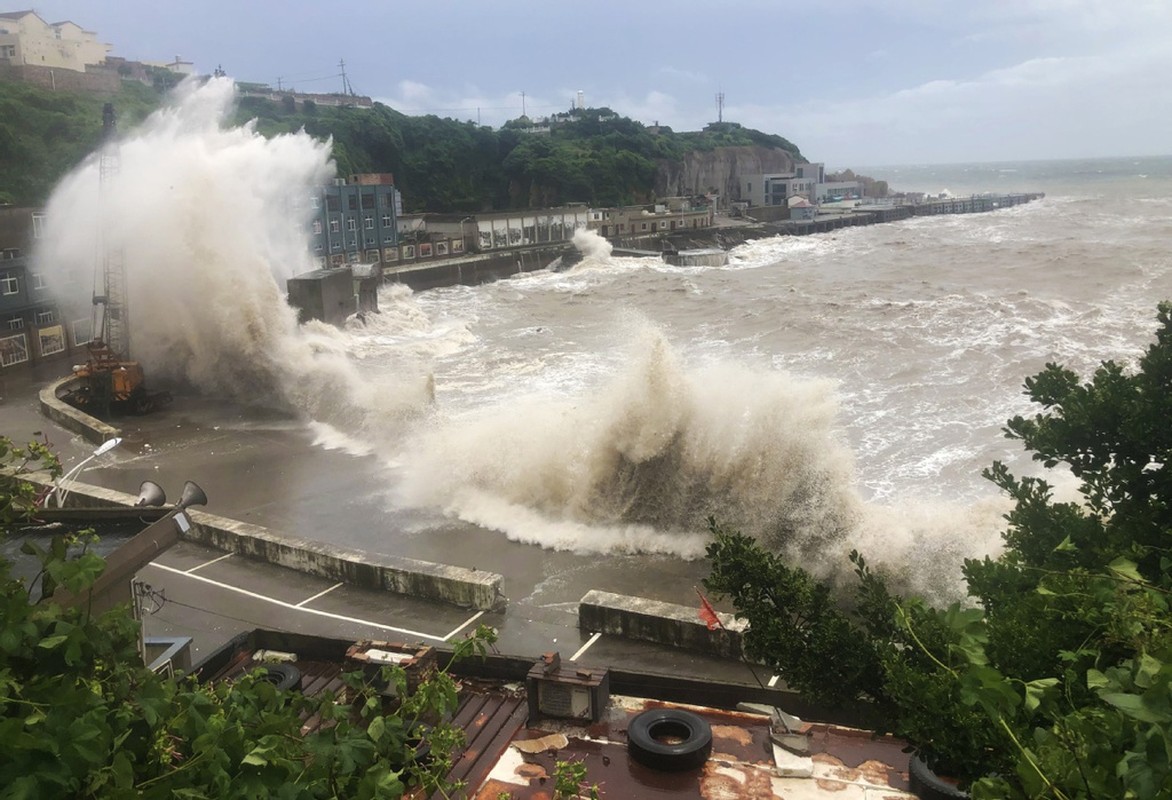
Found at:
<point>111,314</point>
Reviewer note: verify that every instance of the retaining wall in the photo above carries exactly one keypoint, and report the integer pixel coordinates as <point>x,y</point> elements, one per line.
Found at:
<point>456,585</point>
<point>91,429</point>
<point>659,622</point>
<point>475,269</point>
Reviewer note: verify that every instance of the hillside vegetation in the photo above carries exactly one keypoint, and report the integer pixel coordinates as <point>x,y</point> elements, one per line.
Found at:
<point>590,155</point>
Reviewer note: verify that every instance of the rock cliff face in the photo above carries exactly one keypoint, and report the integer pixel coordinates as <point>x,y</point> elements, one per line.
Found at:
<point>721,169</point>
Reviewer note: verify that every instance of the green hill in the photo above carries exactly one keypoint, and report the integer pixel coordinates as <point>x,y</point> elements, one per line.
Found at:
<point>588,155</point>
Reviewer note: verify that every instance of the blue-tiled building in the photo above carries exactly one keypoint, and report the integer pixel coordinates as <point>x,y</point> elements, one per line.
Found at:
<point>355,221</point>
<point>31,327</point>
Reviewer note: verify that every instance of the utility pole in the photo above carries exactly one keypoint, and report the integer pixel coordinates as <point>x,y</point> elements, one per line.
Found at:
<point>720,106</point>
<point>523,104</point>
<point>279,84</point>
<point>346,87</point>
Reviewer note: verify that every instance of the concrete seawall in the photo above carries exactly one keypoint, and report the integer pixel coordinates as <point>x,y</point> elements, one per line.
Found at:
<point>89,428</point>
<point>662,623</point>
<point>471,270</point>
<point>455,585</point>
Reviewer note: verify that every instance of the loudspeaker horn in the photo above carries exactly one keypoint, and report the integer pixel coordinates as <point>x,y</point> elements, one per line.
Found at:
<point>151,494</point>
<point>192,496</point>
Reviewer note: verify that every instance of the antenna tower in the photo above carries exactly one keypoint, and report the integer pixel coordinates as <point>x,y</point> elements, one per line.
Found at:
<point>720,106</point>
<point>346,87</point>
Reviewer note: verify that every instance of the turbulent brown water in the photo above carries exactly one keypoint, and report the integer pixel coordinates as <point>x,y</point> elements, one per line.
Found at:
<point>823,393</point>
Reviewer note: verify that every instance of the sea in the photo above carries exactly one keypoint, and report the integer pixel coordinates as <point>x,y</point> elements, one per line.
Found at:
<point>822,393</point>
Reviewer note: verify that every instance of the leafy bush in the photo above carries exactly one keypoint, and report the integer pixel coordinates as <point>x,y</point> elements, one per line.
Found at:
<point>1058,683</point>
<point>80,716</point>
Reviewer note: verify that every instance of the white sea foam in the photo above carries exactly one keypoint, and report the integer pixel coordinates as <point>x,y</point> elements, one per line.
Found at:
<point>209,221</point>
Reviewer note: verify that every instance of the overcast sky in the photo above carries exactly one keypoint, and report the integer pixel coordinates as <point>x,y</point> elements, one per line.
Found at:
<point>851,82</point>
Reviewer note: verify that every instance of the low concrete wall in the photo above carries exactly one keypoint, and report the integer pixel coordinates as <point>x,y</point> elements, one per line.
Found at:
<point>456,585</point>
<point>662,623</point>
<point>471,270</point>
<point>91,429</point>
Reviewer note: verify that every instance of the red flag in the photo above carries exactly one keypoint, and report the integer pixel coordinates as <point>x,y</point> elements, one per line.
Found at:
<point>708,613</point>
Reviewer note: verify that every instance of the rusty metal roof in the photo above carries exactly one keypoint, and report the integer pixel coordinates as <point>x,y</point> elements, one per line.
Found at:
<point>842,763</point>
<point>505,756</point>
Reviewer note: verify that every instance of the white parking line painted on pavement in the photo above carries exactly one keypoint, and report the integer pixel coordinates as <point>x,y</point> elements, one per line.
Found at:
<point>773,681</point>
<point>319,594</point>
<point>467,622</point>
<point>292,607</point>
<point>586,646</point>
<point>207,563</point>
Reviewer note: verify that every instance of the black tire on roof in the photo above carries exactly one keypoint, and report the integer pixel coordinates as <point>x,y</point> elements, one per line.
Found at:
<point>669,739</point>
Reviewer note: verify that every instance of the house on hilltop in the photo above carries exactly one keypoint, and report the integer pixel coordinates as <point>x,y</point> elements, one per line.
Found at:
<point>27,40</point>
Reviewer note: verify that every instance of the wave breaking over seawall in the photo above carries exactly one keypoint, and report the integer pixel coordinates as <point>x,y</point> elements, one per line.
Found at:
<point>209,221</point>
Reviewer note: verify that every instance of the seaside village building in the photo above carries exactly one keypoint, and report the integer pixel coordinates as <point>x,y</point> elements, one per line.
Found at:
<point>673,214</point>
<point>807,181</point>
<point>31,324</point>
<point>27,40</point>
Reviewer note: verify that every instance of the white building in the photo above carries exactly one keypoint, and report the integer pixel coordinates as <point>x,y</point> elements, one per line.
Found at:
<point>26,39</point>
<point>807,181</point>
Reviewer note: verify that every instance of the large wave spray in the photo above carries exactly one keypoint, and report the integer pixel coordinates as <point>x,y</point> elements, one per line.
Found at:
<point>210,220</point>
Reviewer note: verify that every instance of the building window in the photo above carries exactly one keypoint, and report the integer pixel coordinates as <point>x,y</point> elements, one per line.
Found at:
<point>352,202</point>
<point>44,317</point>
<point>368,223</point>
<point>8,51</point>
<point>408,251</point>
<point>13,350</point>
<point>643,226</point>
<point>387,221</point>
<point>441,248</point>
<point>314,201</point>
<point>390,254</point>
<point>9,283</point>
<point>351,224</point>
<point>370,241</point>
<point>333,203</point>
<point>51,340</point>
<point>317,227</point>
<point>16,323</point>
<point>389,237</point>
<point>317,248</point>
<point>83,330</point>
<point>39,280</point>
<point>38,225</point>
<point>425,250</point>
<point>334,226</point>
<point>457,245</point>
<point>389,200</point>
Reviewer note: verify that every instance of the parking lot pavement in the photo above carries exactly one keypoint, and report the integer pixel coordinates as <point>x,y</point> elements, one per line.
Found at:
<point>212,596</point>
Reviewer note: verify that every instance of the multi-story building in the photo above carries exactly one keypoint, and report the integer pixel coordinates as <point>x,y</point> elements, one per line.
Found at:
<point>27,40</point>
<point>31,327</point>
<point>673,214</point>
<point>356,221</point>
<point>807,180</point>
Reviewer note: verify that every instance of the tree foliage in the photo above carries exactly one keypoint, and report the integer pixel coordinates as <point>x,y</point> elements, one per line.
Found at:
<point>44,134</point>
<point>81,717</point>
<point>589,155</point>
<point>1058,681</point>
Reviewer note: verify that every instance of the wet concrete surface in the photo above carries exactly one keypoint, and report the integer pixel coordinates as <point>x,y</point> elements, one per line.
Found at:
<point>262,467</point>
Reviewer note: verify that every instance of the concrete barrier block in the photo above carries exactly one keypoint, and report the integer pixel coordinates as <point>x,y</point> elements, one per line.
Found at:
<point>663,623</point>
<point>467,588</point>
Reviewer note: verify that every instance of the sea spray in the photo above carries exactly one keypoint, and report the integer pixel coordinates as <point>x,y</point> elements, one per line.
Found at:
<point>658,448</point>
<point>210,220</point>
